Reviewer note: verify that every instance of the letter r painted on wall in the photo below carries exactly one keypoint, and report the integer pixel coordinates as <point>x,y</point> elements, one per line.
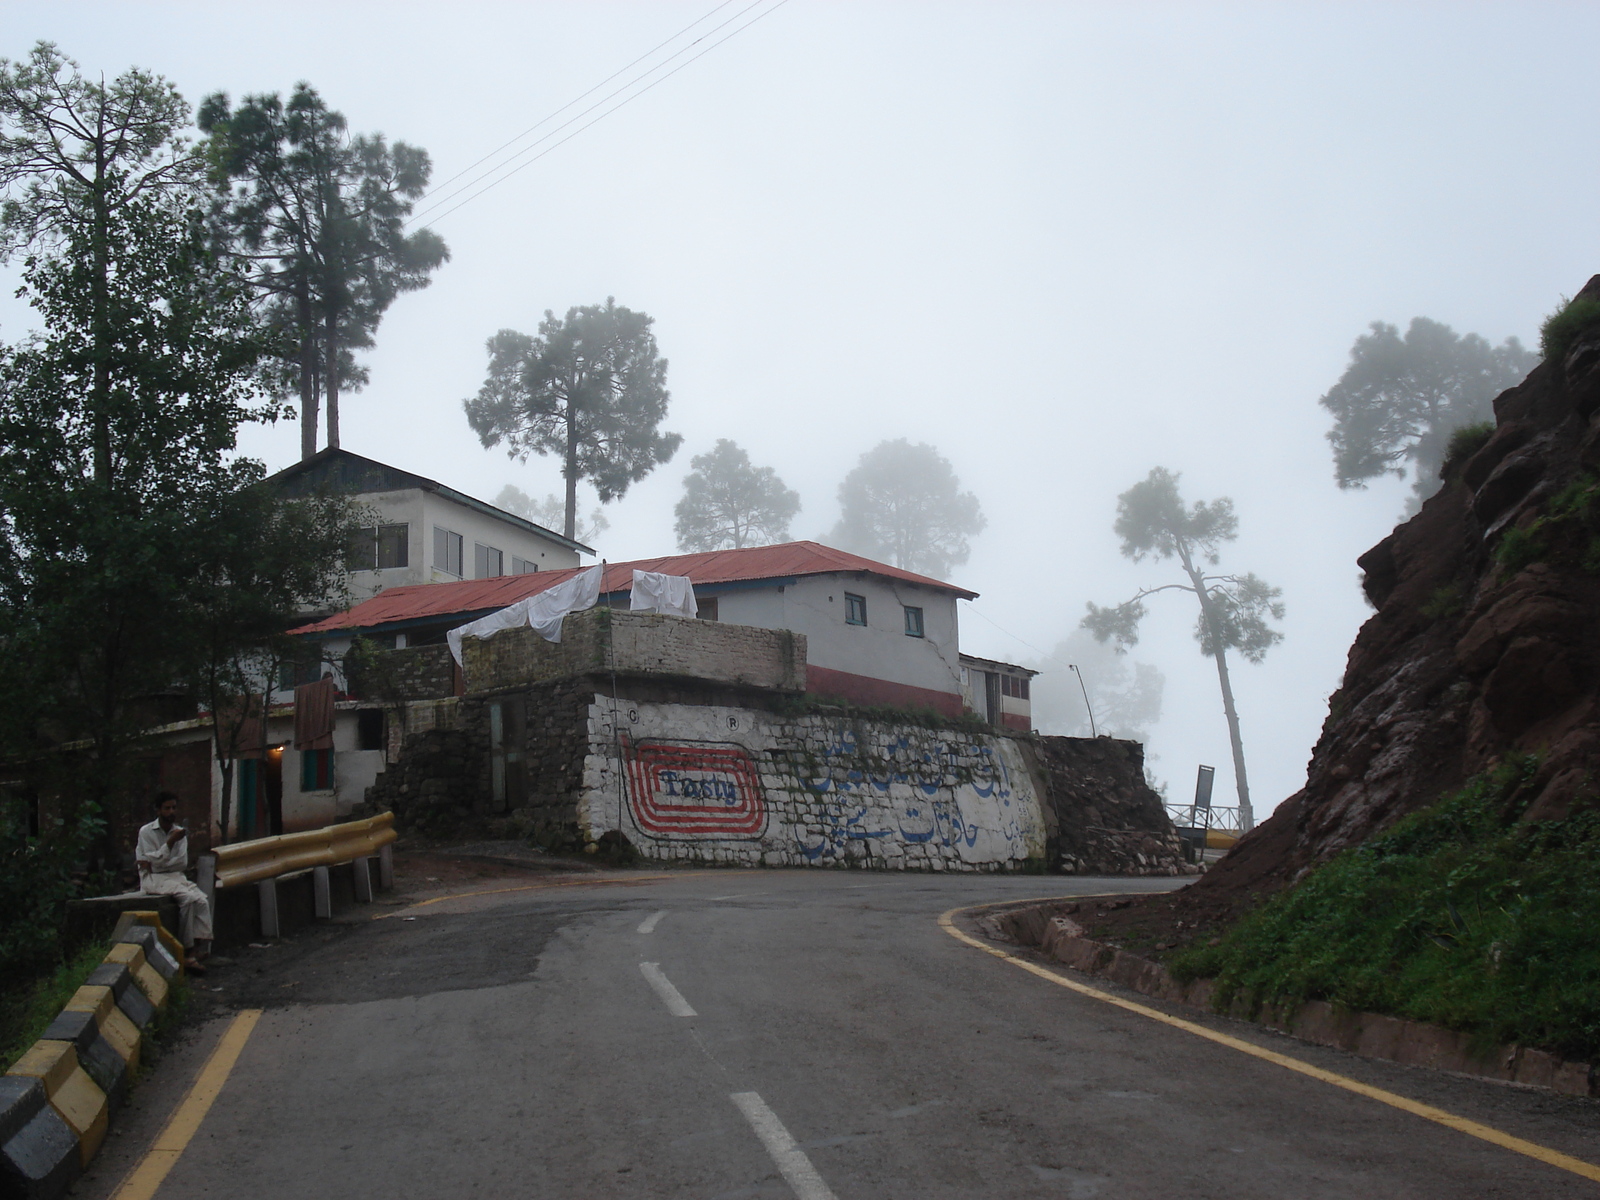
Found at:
<point>694,790</point>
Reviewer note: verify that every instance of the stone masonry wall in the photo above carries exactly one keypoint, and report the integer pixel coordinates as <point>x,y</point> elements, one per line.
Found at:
<point>740,785</point>
<point>396,676</point>
<point>604,640</point>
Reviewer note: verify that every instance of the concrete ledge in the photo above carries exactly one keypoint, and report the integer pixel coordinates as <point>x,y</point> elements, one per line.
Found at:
<point>38,1151</point>
<point>1371,1035</point>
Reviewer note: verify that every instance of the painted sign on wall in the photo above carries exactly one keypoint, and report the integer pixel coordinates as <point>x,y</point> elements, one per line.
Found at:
<point>694,789</point>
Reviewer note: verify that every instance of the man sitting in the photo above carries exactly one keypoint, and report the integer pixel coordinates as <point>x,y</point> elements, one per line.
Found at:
<point>163,855</point>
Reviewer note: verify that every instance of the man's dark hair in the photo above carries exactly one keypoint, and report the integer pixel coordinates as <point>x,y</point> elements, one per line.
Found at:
<point>163,797</point>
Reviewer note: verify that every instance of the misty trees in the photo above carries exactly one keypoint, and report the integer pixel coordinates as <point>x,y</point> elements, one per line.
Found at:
<point>319,218</point>
<point>727,502</point>
<point>903,503</point>
<point>590,388</point>
<point>1400,399</point>
<point>1153,521</point>
<point>550,512</point>
<point>1126,695</point>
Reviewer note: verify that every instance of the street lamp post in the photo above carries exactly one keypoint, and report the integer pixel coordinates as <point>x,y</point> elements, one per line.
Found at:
<point>1073,667</point>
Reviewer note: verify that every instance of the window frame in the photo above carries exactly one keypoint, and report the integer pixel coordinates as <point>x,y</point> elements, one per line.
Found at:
<point>399,534</point>
<point>855,609</point>
<point>915,625</point>
<point>444,541</point>
<point>488,562</point>
<point>316,771</point>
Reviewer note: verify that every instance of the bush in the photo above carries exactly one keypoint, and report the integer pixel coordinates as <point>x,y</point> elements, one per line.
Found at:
<point>36,881</point>
<point>1461,916</point>
<point>1562,327</point>
<point>1464,443</point>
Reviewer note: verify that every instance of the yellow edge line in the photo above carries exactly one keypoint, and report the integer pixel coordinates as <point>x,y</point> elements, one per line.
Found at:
<point>535,887</point>
<point>142,1182</point>
<point>1426,1111</point>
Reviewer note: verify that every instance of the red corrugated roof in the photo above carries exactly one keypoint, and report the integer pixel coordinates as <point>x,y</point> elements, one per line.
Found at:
<point>423,600</point>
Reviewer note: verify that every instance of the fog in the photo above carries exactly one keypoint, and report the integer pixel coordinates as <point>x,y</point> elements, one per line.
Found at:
<point>1063,244</point>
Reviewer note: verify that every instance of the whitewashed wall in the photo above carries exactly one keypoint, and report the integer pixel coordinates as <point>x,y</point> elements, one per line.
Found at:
<point>706,783</point>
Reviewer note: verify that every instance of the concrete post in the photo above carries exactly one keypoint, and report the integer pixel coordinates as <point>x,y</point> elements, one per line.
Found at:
<point>386,868</point>
<point>363,873</point>
<point>205,878</point>
<point>324,897</point>
<point>267,893</point>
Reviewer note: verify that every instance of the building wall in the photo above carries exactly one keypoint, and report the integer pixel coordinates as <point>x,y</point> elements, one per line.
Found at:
<point>421,511</point>
<point>846,659</point>
<point>736,785</point>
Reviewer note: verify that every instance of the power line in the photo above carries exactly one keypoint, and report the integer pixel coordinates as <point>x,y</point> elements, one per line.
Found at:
<point>973,609</point>
<point>622,104</point>
<point>438,187</point>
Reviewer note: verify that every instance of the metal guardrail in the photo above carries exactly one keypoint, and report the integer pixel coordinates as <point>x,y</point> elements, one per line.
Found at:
<point>1220,820</point>
<point>269,857</point>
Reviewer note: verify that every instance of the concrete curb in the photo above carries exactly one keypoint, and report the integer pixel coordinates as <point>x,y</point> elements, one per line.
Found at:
<point>57,1102</point>
<point>1371,1035</point>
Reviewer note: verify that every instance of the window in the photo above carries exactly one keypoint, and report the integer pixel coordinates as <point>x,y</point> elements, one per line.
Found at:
<point>447,549</point>
<point>706,609</point>
<point>523,566</point>
<point>913,621</point>
<point>316,770</point>
<point>305,667</point>
<point>1015,686</point>
<point>378,547</point>
<point>855,609</point>
<point>487,562</point>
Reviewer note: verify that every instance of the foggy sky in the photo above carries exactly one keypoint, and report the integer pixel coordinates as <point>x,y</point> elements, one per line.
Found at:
<point>1062,243</point>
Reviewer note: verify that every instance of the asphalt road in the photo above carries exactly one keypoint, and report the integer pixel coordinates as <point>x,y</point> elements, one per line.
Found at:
<point>519,1043</point>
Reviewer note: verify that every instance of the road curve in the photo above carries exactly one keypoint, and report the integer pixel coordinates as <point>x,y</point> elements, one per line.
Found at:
<point>732,1034</point>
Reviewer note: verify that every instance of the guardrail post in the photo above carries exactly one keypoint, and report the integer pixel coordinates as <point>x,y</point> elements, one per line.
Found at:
<point>205,878</point>
<point>267,893</point>
<point>386,868</point>
<point>324,897</point>
<point>363,873</point>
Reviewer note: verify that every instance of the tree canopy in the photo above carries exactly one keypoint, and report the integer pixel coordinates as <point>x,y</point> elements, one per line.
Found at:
<point>1236,611</point>
<point>1401,398</point>
<point>318,216</point>
<point>727,502</point>
<point>550,511</point>
<point>591,388</point>
<point>903,504</point>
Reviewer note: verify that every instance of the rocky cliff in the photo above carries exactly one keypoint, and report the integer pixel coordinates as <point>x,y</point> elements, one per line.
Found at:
<point>1484,641</point>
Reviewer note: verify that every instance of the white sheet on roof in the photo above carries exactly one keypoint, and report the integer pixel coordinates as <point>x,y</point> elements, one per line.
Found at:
<point>670,594</point>
<point>543,613</point>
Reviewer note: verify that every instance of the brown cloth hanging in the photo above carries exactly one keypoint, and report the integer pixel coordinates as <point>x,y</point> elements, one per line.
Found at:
<point>313,715</point>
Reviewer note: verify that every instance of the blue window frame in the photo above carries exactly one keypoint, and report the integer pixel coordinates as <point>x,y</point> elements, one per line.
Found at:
<point>913,621</point>
<point>855,609</point>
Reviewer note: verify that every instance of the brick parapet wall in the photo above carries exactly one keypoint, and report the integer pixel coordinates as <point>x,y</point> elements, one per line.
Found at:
<point>398,676</point>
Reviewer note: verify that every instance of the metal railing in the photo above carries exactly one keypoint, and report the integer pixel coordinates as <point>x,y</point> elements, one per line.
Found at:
<point>270,857</point>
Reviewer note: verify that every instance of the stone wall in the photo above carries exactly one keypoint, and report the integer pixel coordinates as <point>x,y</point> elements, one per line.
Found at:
<point>749,786</point>
<point>604,640</point>
<point>1102,818</point>
<point>397,676</point>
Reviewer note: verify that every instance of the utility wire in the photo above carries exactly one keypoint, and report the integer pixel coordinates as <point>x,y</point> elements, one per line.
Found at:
<point>440,186</point>
<point>975,612</point>
<point>623,103</point>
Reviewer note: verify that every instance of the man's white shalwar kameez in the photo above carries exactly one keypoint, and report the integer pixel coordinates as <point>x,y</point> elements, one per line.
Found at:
<point>165,878</point>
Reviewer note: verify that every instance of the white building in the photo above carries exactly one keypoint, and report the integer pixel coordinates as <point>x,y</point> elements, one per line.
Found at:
<point>423,531</point>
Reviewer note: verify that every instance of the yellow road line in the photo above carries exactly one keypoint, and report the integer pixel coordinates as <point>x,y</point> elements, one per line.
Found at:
<point>1426,1111</point>
<point>142,1182</point>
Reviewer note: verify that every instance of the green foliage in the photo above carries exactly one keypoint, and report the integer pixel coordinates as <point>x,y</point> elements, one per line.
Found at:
<point>727,502</point>
<point>1562,327</point>
<point>1464,443</point>
<point>1460,915</point>
<point>591,388</point>
<point>1575,508</point>
<point>551,512</point>
<point>903,504</point>
<point>316,218</point>
<point>1400,400</point>
<point>27,1006</point>
<point>1445,601</point>
<point>36,881</point>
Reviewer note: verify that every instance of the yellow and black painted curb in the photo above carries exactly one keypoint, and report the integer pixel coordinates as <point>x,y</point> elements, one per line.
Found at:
<point>57,1102</point>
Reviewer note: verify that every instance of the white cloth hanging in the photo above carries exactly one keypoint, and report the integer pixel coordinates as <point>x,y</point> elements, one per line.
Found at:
<point>670,594</point>
<point>543,612</point>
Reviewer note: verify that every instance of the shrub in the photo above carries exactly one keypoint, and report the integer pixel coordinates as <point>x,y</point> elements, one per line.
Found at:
<point>1461,915</point>
<point>1464,443</point>
<point>1562,327</point>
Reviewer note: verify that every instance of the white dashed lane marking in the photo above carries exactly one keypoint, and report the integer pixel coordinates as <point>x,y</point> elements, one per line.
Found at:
<point>670,996</point>
<point>792,1162</point>
<point>648,925</point>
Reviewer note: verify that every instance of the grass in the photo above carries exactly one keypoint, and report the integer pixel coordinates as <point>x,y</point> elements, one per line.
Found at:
<point>1562,327</point>
<point>26,1011</point>
<point>1461,916</point>
<point>1464,443</point>
<point>1574,507</point>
